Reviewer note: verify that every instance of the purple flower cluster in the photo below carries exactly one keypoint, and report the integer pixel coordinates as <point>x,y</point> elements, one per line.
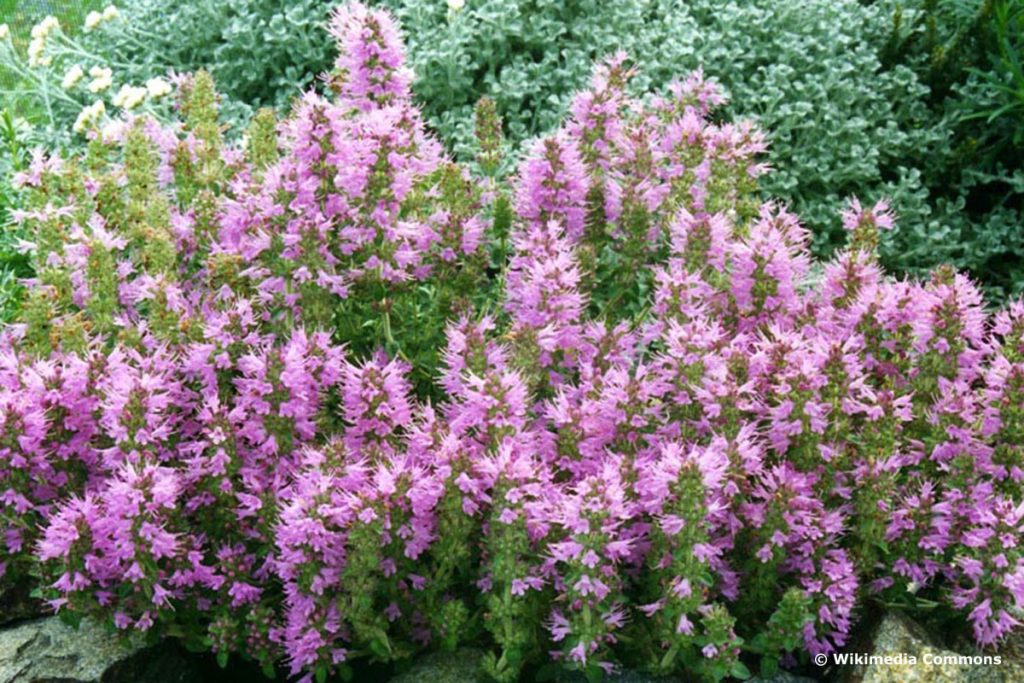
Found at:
<point>658,437</point>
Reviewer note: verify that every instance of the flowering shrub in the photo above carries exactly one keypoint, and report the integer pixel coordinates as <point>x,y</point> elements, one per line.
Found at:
<point>893,81</point>
<point>327,396</point>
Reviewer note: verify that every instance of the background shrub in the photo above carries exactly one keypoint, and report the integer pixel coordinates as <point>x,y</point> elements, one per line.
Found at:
<point>808,72</point>
<point>260,52</point>
<point>969,54</point>
<point>265,52</point>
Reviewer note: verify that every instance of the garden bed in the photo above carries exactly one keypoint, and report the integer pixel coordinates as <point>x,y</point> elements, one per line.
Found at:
<point>322,401</point>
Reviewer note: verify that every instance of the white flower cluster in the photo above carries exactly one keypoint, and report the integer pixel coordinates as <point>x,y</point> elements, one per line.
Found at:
<point>72,77</point>
<point>5,31</point>
<point>37,46</point>
<point>157,88</point>
<point>94,19</point>
<point>89,116</point>
<point>102,78</point>
<point>129,96</point>
<point>45,27</point>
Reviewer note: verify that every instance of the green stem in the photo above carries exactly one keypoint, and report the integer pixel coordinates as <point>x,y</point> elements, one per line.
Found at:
<point>666,661</point>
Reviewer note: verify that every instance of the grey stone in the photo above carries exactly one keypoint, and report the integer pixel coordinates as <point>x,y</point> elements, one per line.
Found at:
<point>915,657</point>
<point>49,651</point>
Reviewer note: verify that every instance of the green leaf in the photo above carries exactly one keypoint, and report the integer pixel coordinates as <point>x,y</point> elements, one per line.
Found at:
<point>594,674</point>
<point>739,670</point>
<point>72,619</point>
<point>381,649</point>
<point>547,672</point>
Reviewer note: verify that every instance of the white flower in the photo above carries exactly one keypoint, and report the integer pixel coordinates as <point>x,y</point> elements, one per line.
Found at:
<point>36,48</point>
<point>129,96</point>
<point>89,116</point>
<point>5,31</point>
<point>158,88</point>
<point>92,20</point>
<point>110,13</point>
<point>45,27</point>
<point>102,78</point>
<point>135,97</point>
<point>456,5</point>
<point>81,121</point>
<point>72,77</point>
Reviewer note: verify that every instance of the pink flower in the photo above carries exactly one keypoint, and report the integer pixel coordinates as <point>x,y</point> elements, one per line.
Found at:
<point>880,215</point>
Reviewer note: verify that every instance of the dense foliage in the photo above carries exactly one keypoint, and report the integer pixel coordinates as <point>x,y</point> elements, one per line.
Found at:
<point>969,53</point>
<point>903,88</point>
<point>858,98</point>
<point>14,263</point>
<point>798,67</point>
<point>326,395</point>
<point>266,53</point>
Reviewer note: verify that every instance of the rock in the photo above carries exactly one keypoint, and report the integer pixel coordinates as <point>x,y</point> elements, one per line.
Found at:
<point>915,657</point>
<point>461,666</point>
<point>49,651</point>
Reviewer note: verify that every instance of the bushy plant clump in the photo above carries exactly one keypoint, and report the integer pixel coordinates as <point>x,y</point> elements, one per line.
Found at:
<point>329,396</point>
